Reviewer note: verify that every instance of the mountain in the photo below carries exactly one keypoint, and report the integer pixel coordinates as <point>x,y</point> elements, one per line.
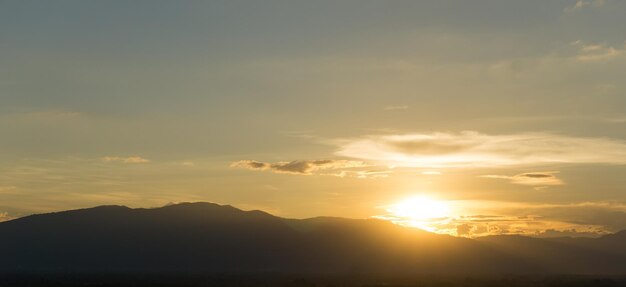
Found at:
<point>211,238</point>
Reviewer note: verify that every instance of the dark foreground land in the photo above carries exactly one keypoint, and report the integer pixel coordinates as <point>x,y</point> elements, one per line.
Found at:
<point>295,280</point>
<point>206,238</point>
<point>188,244</point>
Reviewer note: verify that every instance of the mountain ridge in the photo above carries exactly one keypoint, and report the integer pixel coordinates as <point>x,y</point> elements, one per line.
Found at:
<point>207,237</point>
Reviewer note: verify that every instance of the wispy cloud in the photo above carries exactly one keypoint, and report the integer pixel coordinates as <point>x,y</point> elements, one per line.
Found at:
<point>539,178</point>
<point>473,149</point>
<point>129,160</point>
<point>304,134</point>
<point>8,189</point>
<point>301,167</point>
<point>431,172</point>
<point>618,120</point>
<point>598,52</point>
<point>383,173</point>
<point>582,4</point>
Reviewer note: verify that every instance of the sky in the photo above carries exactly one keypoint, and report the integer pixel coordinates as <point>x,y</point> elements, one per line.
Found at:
<point>510,114</point>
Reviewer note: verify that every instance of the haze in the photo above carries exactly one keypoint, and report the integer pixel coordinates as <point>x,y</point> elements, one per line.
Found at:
<point>506,117</point>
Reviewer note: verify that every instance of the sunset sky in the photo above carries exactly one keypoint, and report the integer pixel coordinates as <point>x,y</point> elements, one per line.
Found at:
<point>499,116</point>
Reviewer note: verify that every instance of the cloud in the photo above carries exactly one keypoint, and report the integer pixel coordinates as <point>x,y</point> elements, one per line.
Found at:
<point>464,230</point>
<point>303,134</point>
<point>187,163</point>
<point>250,164</point>
<point>618,120</point>
<point>540,178</point>
<point>597,52</point>
<point>582,4</point>
<point>130,159</point>
<point>528,226</point>
<point>302,167</point>
<point>431,172</point>
<point>483,218</point>
<point>362,173</point>
<point>473,149</point>
<point>487,225</point>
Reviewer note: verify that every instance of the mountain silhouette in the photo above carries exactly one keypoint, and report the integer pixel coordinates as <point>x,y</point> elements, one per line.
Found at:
<point>210,238</point>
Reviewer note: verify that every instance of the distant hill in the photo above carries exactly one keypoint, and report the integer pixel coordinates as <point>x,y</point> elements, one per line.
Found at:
<point>210,238</point>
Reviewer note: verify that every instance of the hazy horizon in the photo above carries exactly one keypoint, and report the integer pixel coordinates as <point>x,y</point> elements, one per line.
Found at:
<point>550,233</point>
<point>468,118</point>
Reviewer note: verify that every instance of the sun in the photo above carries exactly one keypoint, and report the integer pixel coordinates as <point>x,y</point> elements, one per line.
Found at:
<point>420,208</point>
<point>421,212</point>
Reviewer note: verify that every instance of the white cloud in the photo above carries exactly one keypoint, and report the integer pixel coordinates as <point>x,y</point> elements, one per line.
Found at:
<point>130,159</point>
<point>582,4</point>
<point>473,149</point>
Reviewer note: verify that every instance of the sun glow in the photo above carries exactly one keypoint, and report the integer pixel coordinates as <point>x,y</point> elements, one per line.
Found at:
<point>421,212</point>
<point>420,208</point>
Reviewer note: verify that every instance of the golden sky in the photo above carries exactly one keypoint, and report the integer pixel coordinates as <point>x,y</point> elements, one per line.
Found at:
<point>510,116</point>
